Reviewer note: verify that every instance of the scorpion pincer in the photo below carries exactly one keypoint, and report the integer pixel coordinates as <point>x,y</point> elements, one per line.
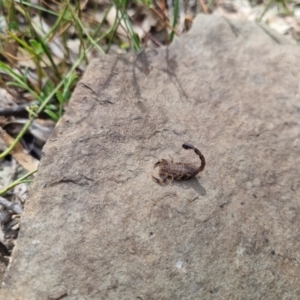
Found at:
<point>178,170</point>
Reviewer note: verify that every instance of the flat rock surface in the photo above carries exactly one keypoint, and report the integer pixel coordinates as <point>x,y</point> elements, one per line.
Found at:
<point>98,227</point>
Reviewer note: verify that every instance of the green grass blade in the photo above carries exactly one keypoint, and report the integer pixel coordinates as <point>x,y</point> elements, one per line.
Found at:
<point>175,18</point>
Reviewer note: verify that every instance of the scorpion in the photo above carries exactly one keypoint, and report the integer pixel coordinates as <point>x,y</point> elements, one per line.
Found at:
<point>178,170</point>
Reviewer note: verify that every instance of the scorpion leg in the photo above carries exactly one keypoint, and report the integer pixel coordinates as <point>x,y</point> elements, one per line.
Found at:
<point>197,151</point>
<point>171,178</point>
<point>159,180</point>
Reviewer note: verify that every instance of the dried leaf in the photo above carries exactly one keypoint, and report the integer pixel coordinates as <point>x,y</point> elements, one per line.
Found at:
<point>24,159</point>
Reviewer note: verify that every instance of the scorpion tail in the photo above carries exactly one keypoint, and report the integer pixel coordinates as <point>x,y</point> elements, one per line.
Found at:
<point>197,151</point>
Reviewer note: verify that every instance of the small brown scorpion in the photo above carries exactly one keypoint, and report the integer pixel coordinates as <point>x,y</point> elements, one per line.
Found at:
<point>178,171</point>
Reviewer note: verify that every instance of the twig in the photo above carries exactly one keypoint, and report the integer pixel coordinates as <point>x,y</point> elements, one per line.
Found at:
<point>15,208</point>
<point>17,110</point>
<point>204,7</point>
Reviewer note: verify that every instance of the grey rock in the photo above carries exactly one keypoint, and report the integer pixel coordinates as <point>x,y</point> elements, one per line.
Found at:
<point>96,225</point>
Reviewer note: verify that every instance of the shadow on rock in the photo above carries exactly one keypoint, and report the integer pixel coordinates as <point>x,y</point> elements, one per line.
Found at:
<point>192,183</point>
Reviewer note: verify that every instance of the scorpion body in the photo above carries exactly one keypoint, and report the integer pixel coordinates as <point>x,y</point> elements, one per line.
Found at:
<point>178,170</point>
